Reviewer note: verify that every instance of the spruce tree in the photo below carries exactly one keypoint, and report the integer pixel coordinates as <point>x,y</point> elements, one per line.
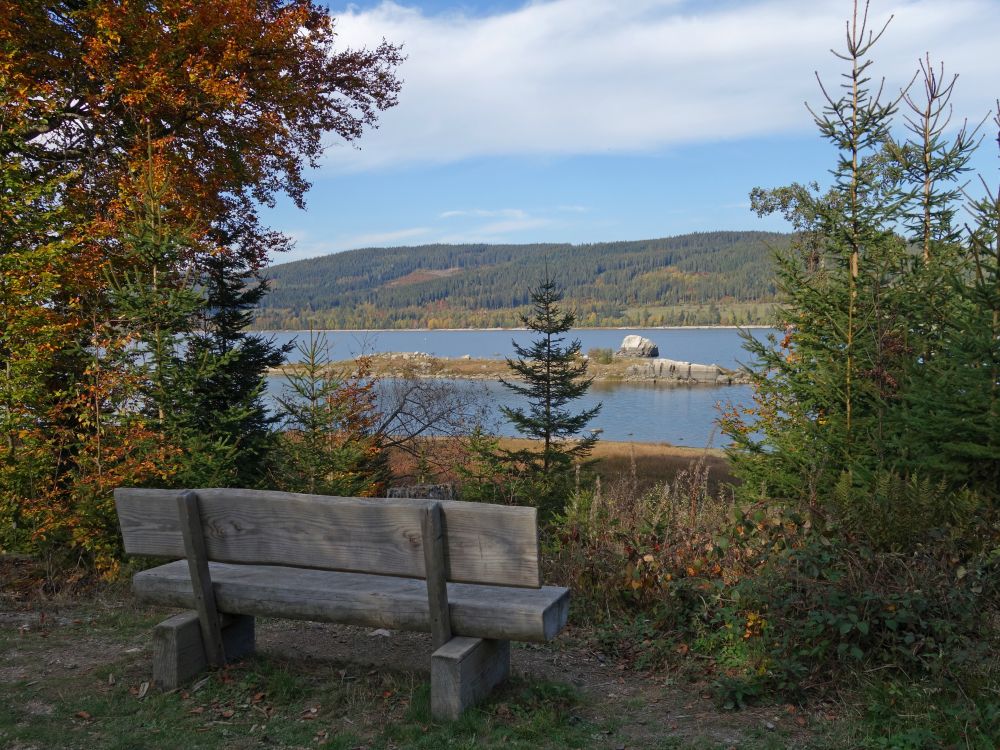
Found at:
<point>553,375</point>
<point>824,387</point>
<point>951,422</point>
<point>328,444</point>
<point>884,361</point>
<point>228,405</point>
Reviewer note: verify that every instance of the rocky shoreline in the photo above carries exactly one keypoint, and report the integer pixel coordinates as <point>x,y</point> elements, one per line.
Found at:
<point>623,369</point>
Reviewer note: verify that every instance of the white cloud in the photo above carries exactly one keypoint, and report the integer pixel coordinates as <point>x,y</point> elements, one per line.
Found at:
<point>593,76</point>
<point>510,213</point>
<point>384,238</point>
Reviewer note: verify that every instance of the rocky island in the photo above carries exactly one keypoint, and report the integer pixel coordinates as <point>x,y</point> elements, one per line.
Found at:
<point>636,361</point>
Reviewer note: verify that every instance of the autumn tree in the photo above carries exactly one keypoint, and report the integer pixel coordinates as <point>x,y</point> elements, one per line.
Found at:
<point>231,101</point>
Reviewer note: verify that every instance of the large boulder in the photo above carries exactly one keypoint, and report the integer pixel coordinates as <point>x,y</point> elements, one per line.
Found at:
<point>637,346</point>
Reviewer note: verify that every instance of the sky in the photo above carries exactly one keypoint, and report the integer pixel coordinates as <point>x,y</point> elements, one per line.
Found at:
<point>599,120</point>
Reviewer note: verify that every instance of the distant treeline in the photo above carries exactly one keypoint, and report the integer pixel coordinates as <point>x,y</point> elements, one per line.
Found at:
<point>696,279</point>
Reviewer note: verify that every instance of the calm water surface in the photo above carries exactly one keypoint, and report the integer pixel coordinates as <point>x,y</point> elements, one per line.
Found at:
<point>680,415</point>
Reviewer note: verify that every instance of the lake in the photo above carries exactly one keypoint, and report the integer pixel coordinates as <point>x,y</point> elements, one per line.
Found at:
<point>680,415</point>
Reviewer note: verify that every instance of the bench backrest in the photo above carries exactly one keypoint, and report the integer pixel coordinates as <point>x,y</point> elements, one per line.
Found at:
<point>486,544</point>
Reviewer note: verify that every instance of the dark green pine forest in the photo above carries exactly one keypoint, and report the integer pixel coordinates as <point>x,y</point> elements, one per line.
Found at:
<point>694,279</point>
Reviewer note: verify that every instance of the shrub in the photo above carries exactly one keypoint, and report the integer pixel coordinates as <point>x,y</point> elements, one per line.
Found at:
<point>600,355</point>
<point>657,554</point>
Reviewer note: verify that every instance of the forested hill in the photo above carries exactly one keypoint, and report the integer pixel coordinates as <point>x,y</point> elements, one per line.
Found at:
<point>704,278</point>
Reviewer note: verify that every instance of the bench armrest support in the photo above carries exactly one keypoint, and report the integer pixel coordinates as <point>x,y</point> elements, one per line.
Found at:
<point>189,511</point>
<point>432,528</point>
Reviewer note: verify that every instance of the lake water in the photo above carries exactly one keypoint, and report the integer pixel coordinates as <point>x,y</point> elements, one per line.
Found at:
<point>679,415</point>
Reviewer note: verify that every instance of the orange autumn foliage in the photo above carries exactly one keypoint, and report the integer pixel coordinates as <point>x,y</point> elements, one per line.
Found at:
<point>224,104</point>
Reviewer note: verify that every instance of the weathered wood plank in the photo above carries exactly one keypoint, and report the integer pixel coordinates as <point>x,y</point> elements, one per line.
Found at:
<point>189,516</point>
<point>500,612</point>
<point>464,671</point>
<point>489,544</point>
<point>178,653</point>
<point>432,530</point>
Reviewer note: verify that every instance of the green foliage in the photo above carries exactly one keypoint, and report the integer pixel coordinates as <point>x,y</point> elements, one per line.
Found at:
<point>895,513</point>
<point>672,281</point>
<point>827,611</point>
<point>327,445</point>
<point>869,476</point>
<point>601,355</point>
<point>552,376</point>
<point>488,474</point>
<point>888,361</point>
<point>227,402</point>
<point>926,715</point>
<point>156,301</point>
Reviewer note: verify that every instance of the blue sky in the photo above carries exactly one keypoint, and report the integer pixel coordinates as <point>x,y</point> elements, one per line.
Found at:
<point>592,120</point>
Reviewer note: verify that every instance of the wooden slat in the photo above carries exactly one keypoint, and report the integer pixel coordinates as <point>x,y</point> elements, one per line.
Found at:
<point>502,612</point>
<point>490,544</point>
<point>189,517</point>
<point>432,528</point>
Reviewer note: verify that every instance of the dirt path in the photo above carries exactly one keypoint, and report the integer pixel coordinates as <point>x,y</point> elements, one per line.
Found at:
<point>648,710</point>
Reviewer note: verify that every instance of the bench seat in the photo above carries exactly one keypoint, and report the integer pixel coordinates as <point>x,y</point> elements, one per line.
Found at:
<point>496,612</point>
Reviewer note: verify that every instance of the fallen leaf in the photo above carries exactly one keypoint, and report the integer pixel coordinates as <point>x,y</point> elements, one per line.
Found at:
<point>197,710</point>
<point>82,715</point>
<point>258,697</point>
<point>227,714</point>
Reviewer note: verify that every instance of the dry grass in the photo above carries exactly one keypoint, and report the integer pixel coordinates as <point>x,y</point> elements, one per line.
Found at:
<point>648,464</point>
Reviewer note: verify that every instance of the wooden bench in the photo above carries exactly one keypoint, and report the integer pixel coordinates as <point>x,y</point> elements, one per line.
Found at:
<point>466,572</point>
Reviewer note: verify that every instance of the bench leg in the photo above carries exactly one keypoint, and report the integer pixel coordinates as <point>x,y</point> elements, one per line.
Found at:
<point>464,671</point>
<point>178,652</point>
